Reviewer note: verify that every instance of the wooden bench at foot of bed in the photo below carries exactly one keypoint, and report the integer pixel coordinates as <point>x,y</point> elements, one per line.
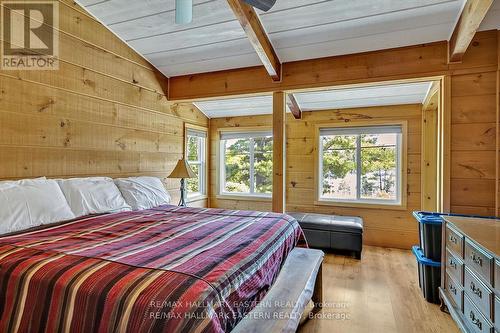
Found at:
<point>298,282</point>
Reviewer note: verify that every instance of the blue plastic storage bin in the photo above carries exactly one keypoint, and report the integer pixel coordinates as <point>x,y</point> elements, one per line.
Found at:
<point>429,233</point>
<point>429,275</point>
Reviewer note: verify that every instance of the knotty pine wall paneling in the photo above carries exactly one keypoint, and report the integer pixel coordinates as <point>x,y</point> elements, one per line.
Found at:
<point>103,113</point>
<point>474,129</point>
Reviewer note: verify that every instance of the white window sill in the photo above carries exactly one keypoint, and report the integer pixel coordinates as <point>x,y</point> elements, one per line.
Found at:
<point>242,196</point>
<point>362,204</point>
<point>196,197</point>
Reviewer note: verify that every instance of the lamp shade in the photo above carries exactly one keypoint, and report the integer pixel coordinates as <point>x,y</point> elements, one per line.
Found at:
<point>182,170</point>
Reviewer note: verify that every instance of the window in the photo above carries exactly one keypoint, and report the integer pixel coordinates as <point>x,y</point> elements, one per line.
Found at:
<point>361,164</point>
<point>246,163</point>
<point>196,157</point>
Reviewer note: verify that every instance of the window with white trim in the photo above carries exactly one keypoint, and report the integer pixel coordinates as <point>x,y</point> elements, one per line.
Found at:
<point>196,142</point>
<point>361,164</point>
<point>246,163</point>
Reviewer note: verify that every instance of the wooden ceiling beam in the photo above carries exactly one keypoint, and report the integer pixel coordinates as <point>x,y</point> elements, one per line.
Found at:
<point>257,36</point>
<point>471,17</point>
<point>404,63</point>
<point>294,106</point>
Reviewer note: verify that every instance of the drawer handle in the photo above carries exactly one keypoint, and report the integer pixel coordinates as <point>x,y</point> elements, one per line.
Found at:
<point>476,259</point>
<point>453,289</point>
<point>453,264</point>
<point>453,239</point>
<point>476,321</point>
<point>476,290</point>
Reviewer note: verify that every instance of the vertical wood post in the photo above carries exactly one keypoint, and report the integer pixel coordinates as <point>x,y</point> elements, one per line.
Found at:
<point>497,154</point>
<point>430,154</point>
<point>279,154</point>
<point>445,144</point>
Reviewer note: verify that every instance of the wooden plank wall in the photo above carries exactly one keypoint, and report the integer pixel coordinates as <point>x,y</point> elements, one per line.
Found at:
<point>474,132</point>
<point>104,112</point>
<point>394,228</point>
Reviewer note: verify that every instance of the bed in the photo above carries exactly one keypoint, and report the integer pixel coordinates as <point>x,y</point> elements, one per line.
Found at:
<point>166,269</point>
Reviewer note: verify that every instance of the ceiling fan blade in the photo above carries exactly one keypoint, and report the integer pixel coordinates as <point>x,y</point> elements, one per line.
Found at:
<point>264,5</point>
<point>183,11</point>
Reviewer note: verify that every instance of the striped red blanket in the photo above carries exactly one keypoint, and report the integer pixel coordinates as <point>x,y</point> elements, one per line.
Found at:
<point>167,269</point>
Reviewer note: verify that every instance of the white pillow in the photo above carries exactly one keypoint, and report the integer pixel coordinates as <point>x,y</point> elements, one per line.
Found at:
<point>95,195</point>
<point>143,192</point>
<point>22,180</point>
<point>30,203</point>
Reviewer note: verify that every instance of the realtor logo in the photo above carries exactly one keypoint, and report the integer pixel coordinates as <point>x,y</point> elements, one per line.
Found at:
<point>30,35</point>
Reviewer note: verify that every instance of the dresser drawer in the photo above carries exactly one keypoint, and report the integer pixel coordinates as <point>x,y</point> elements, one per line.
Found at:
<point>455,292</point>
<point>454,241</point>
<point>478,292</point>
<point>454,267</point>
<point>497,276</point>
<point>497,312</point>
<point>479,261</point>
<point>474,319</point>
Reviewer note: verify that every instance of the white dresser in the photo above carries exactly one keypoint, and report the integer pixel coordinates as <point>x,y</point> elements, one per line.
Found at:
<point>470,276</point>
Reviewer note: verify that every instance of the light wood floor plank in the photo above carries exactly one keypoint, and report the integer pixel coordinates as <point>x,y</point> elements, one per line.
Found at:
<point>380,293</point>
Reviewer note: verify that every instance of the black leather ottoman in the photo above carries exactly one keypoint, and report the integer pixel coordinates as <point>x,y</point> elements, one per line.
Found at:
<point>332,231</point>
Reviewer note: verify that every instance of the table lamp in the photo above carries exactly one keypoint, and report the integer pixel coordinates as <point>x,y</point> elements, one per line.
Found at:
<point>182,170</point>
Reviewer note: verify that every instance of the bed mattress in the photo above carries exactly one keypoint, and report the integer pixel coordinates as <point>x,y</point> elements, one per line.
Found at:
<point>167,269</point>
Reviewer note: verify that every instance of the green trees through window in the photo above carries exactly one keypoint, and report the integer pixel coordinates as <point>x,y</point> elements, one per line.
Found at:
<point>195,151</point>
<point>247,164</point>
<point>362,165</point>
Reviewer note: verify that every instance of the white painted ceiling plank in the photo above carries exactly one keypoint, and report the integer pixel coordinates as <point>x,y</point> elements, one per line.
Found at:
<point>492,19</point>
<point>372,34</point>
<point>342,11</point>
<point>398,94</point>
<point>237,61</point>
<point>363,92</point>
<point>205,14</point>
<point>91,2</point>
<point>362,102</point>
<point>200,36</point>
<point>232,103</point>
<point>254,105</point>
<point>228,114</point>
<point>202,53</point>
<point>113,11</point>
<point>364,44</point>
<point>379,24</point>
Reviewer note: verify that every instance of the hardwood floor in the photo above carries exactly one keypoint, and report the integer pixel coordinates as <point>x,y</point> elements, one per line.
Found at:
<point>380,293</point>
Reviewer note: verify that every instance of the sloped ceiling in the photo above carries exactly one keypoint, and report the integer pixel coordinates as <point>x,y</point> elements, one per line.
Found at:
<point>298,29</point>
